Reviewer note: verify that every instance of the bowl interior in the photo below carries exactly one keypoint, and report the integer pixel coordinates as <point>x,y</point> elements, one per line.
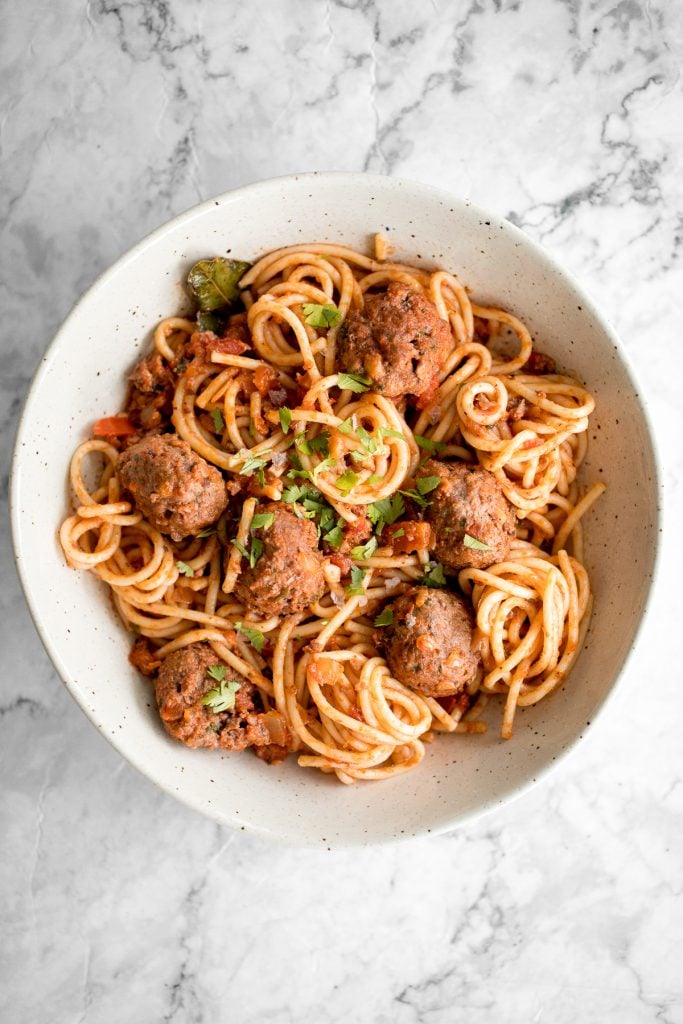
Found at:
<point>82,378</point>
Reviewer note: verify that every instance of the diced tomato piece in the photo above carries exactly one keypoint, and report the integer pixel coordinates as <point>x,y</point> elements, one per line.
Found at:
<point>415,537</point>
<point>265,379</point>
<point>113,426</point>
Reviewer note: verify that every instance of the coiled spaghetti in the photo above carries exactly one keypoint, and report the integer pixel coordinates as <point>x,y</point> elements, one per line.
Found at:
<point>323,670</point>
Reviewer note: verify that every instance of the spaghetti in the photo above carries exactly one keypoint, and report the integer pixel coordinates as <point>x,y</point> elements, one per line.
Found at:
<point>284,423</point>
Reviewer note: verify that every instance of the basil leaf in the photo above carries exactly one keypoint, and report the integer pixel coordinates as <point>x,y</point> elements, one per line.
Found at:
<point>385,618</point>
<point>214,322</point>
<point>214,283</point>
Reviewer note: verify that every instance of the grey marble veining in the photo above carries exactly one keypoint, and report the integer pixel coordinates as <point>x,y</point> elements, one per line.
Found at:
<point>119,904</point>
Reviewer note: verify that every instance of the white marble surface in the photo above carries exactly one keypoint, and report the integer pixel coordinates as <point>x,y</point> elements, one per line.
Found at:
<point>119,904</point>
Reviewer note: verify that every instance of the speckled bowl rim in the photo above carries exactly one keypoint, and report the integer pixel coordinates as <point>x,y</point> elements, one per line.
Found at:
<point>418,189</point>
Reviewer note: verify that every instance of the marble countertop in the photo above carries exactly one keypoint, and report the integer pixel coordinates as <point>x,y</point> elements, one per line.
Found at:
<point>118,903</point>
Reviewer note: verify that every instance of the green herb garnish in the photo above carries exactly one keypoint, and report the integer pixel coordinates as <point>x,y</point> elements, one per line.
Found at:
<point>385,617</point>
<point>346,482</point>
<point>214,283</point>
<point>433,575</point>
<point>364,551</point>
<point>321,316</point>
<point>354,382</point>
<point>263,519</point>
<point>335,537</point>
<point>221,697</point>
<point>428,443</point>
<point>357,577</point>
<point>254,636</point>
<point>425,484</point>
<point>218,421</point>
<point>184,569</point>
<point>476,545</point>
<point>285,415</point>
<point>255,464</point>
<point>253,554</point>
<point>388,432</point>
<point>386,511</point>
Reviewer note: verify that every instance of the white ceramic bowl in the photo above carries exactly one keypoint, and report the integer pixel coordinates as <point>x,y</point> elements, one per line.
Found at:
<point>82,378</point>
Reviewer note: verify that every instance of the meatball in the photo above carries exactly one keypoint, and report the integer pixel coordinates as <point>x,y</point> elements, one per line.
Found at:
<point>183,681</point>
<point>288,575</point>
<point>428,645</point>
<point>398,339</point>
<point>174,488</point>
<point>469,501</point>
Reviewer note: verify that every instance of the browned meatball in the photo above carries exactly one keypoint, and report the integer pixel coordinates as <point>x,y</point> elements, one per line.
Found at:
<point>174,488</point>
<point>183,681</point>
<point>288,575</point>
<point>428,646</point>
<point>398,339</point>
<point>469,501</point>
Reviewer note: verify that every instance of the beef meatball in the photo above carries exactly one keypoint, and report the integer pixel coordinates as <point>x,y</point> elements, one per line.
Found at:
<point>398,339</point>
<point>469,500</point>
<point>288,575</point>
<point>183,681</point>
<point>174,488</point>
<point>428,645</point>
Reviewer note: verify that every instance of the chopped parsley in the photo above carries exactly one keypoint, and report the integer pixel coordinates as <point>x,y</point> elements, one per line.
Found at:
<point>385,512</point>
<point>218,421</point>
<point>321,316</point>
<point>255,464</point>
<point>335,537</point>
<point>357,577</point>
<point>253,554</point>
<point>323,466</point>
<point>433,575</point>
<point>345,427</point>
<point>184,569</point>
<point>388,432</point>
<point>425,485</point>
<point>320,443</point>
<point>285,415</point>
<point>364,551</point>
<point>221,697</point>
<point>254,636</point>
<point>476,545</point>
<point>428,443</point>
<point>263,519</point>
<point>354,382</point>
<point>207,532</point>
<point>385,617</point>
<point>346,482</point>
